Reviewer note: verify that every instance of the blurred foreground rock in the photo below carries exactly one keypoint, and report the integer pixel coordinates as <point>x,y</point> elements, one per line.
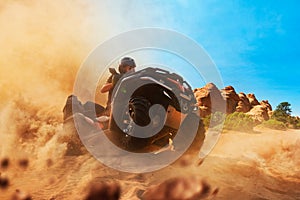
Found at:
<point>4,163</point>
<point>179,188</point>
<point>107,191</point>
<point>4,182</point>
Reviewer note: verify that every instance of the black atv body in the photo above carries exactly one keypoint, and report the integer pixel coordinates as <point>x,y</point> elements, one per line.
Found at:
<point>148,108</point>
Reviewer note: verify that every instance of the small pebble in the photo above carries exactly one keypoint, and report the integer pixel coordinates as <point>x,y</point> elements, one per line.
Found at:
<point>49,162</point>
<point>215,192</point>
<point>23,163</point>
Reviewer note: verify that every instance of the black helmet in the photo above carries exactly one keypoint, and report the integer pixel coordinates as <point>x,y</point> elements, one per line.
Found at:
<point>126,61</point>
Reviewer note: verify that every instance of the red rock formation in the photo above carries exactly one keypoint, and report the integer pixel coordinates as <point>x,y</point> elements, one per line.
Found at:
<point>209,99</point>
<point>231,98</point>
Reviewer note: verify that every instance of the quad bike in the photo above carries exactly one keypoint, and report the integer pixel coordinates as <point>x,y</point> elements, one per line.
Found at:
<point>148,108</point>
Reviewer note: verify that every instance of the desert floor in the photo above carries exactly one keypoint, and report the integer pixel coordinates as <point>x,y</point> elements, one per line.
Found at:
<point>260,165</point>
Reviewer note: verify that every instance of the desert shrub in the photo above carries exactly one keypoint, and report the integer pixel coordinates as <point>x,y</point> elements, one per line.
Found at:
<point>298,126</point>
<point>239,121</point>
<point>236,121</point>
<point>274,124</point>
<point>294,122</point>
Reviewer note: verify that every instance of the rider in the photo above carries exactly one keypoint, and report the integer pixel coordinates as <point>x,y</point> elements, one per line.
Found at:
<point>127,64</point>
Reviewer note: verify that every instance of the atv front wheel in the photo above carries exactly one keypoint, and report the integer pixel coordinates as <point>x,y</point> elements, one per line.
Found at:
<point>139,110</point>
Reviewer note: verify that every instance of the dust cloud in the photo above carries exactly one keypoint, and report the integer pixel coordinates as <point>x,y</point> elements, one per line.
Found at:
<point>43,44</point>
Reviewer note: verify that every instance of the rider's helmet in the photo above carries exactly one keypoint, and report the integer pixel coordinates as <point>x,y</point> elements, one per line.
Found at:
<point>126,61</point>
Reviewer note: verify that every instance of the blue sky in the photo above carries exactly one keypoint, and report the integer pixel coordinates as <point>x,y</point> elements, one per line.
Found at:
<point>255,44</point>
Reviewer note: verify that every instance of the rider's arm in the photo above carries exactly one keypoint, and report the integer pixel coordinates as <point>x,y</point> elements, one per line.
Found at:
<point>106,87</point>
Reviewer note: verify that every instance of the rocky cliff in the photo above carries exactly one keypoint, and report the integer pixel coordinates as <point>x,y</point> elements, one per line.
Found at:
<point>211,99</point>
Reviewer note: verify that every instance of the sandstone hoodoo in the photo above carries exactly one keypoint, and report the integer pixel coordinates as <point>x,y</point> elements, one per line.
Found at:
<point>252,99</point>
<point>267,105</point>
<point>231,98</point>
<point>243,104</point>
<point>204,95</point>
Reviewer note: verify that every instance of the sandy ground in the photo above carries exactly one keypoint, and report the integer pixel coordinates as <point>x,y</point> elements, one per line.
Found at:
<point>260,165</point>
